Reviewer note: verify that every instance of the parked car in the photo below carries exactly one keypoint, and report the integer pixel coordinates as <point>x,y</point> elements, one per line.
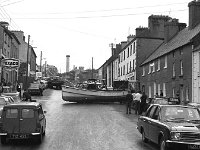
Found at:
<point>34,89</point>
<point>5,100</point>
<point>197,105</point>
<point>171,126</point>
<point>23,120</point>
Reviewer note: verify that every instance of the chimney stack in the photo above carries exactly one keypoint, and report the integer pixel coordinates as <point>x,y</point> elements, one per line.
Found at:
<point>67,63</point>
<point>194,13</point>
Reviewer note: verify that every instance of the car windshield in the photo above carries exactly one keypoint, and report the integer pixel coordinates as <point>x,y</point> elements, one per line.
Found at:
<point>171,113</point>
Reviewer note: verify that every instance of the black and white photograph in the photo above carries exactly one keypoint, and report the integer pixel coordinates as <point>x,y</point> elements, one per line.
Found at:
<point>99,75</point>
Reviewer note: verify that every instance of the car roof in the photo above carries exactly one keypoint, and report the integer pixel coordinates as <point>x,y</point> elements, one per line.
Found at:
<point>172,105</point>
<point>22,104</point>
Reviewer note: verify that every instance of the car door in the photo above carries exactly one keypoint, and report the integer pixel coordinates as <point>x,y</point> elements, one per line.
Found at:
<point>145,121</point>
<point>10,117</point>
<point>154,125</point>
<point>27,120</point>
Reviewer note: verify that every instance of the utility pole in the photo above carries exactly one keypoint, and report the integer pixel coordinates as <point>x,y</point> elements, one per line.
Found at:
<point>92,67</point>
<point>41,61</point>
<point>27,60</point>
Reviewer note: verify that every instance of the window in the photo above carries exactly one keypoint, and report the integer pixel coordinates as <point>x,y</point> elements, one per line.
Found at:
<point>124,55</point>
<point>173,70</point>
<point>165,66</point>
<point>150,91</point>
<point>133,65</point>
<point>154,88</point>
<point>128,53</point>
<point>173,92</point>
<point>124,70</point>
<point>131,50</point>
<point>11,113</point>
<point>130,69</point>
<point>143,71</point>
<point>158,89</point>
<point>127,68</point>
<point>158,65</point>
<point>27,113</point>
<point>181,51</point>
<point>153,67</point>
<point>133,47</point>
<point>121,71</point>
<point>181,63</point>
<point>149,69</point>
<point>164,90</point>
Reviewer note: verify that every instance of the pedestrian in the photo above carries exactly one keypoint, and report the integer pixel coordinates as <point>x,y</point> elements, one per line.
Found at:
<point>129,99</point>
<point>143,103</point>
<point>26,96</point>
<point>19,89</point>
<point>41,88</point>
<point>137,99</point>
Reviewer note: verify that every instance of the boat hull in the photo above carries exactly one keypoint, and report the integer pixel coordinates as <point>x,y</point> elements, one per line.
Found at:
<point>72,94</point>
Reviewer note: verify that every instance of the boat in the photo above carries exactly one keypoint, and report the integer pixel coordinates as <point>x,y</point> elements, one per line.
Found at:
<point>93,91</point>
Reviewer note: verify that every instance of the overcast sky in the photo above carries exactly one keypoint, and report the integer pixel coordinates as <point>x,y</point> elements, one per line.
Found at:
<point>83,28</point>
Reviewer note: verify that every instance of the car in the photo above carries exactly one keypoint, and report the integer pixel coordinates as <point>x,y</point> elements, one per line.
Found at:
<point>34,89</point>
<point>23,120</point>
<point>5,100</point>
<point>171,126</point>
<point>197,105</point>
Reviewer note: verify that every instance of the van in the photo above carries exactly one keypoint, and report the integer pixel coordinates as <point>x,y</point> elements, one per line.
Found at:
<point>23,120</point>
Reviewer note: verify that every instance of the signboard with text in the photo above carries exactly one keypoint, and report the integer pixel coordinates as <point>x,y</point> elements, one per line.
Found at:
<point>10,63</point>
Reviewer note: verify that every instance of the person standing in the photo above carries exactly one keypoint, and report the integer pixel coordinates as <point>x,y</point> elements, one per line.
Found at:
<point>129,99</point>
<point>137,99</point>
<point>143,103</point>
<point>26,96</point>
<point>19,89</point>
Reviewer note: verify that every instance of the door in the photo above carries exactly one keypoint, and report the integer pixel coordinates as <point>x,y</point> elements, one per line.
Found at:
<point>27,120</point>
<point>11,120</point>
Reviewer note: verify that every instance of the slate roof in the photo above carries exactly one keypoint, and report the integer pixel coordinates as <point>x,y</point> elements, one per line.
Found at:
<point>181,38</point>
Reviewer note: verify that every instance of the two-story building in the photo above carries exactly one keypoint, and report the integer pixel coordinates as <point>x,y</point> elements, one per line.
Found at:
<point>169,68</point>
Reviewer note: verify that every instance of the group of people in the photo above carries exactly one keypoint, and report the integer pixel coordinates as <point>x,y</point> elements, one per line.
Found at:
<point>139,101</point>
<point>26,95</point>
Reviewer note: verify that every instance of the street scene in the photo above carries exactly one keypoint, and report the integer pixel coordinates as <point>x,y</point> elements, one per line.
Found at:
<point>73,126</point>
<point>100,75</point>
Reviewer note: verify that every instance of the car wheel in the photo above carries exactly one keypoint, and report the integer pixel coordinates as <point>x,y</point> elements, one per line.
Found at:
<point>144,139</point>
<point>163,145</point>
<point>3,139</point>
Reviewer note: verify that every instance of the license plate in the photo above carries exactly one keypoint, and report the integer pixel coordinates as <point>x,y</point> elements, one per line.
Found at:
<point>194,146</point>
<point>18,136</point>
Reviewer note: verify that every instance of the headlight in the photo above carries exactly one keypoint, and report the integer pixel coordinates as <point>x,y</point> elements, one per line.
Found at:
<point>175,135</point>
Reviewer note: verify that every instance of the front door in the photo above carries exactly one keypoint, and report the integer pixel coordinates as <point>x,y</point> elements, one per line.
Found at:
<point>27,120</point>
<point>11,120</point>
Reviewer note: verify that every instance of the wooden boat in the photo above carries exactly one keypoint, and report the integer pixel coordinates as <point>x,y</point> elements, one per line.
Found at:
<point>92,92</point>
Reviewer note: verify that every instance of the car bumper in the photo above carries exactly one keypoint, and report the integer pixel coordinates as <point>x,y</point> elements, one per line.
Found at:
<point>184,144</point>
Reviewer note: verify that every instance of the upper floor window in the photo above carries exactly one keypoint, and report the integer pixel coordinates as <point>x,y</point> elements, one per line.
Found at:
<point>133,65</point>
<point>158,65</point>
<point>165,66</point>
<point>131,49</point>
<point>181,67</point>
<point>181,51</point>
<point>128,52</point>
<point>124,70</point>
<point>151,67</point>
<point>130,69</point>
<point>127,69</point>
<point>143,71</point>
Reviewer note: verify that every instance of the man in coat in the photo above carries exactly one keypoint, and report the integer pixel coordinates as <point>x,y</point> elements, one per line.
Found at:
<point>129,99</point>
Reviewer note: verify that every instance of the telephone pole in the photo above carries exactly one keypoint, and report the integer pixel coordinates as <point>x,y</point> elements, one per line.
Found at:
<point>27,60</point>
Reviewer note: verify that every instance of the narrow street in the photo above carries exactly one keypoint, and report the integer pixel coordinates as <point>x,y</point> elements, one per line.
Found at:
<point>72,126</point>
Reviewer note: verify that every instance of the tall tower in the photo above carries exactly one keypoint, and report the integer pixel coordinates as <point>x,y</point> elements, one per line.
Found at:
<point>67,63</point>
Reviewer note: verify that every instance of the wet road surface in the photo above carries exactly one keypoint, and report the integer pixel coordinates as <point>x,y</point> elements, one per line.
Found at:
<point>72,126</point>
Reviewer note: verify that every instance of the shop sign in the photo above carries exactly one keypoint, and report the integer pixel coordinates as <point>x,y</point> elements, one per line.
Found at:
<point>10,63</point>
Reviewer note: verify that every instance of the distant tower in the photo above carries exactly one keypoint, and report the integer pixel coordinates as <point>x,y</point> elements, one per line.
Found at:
<point>67,63</point>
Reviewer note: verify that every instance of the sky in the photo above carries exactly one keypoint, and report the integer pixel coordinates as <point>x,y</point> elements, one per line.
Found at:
<point>83,29</point>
